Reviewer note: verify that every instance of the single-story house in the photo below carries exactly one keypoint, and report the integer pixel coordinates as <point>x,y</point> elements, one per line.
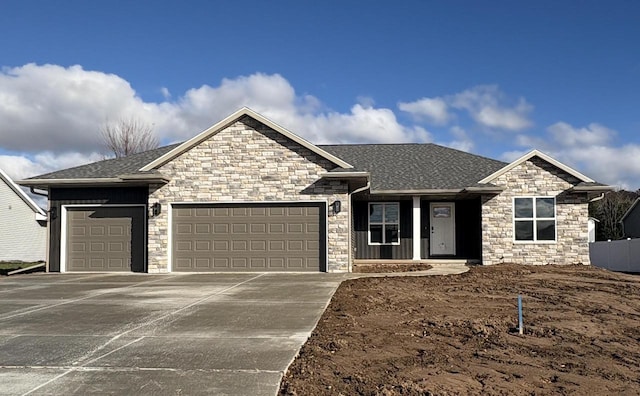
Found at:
<point>248,195</point>
<point>631,221</point>
<point>23,225</point>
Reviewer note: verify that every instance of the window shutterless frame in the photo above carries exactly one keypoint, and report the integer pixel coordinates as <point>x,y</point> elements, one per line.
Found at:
<point>535,215</point>
<point>385,217</point>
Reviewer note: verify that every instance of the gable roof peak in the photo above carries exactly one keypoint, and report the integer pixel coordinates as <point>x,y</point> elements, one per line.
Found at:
<point>232,118</point>
<point>544,157</point>
<point>27,199</point>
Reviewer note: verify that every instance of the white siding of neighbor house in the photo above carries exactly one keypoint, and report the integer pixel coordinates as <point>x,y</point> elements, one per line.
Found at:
<point>21,236</point>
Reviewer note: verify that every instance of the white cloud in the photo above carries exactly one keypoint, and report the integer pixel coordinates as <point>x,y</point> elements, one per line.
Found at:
<point>588,149</point>
<point>617,166</point>
<point>593,134</point>
<point>485,104</point>
<point>54,108</point>
<point>166,94</point>
<point>362,124</point>
<point>462,141</point>
<point>433,109</point>
<point>21,166</point>
<point>365,101</point>
<point>50,116</point>
<point>510,156</point>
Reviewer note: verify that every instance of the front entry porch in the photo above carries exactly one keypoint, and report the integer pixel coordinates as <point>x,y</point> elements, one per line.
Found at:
<point>417,229</point>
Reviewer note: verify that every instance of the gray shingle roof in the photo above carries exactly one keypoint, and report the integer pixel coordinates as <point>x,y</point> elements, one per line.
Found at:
<point>392,166</point>
<point>109,168</point>
<point>416,166</point>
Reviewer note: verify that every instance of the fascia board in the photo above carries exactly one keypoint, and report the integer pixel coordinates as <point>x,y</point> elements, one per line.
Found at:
<point>417,192</point>
<point>487,189</point>
<point>592,188</point>
<point>343,175</point>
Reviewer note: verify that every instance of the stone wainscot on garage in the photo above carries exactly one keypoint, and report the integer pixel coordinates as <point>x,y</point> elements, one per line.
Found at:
<point>248,195</point>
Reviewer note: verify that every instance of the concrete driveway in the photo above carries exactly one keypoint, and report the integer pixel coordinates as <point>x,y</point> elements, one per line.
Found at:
<point>209,334</point>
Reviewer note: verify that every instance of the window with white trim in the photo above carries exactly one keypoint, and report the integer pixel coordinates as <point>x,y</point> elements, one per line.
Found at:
<point>534,219</point>
<point>384,223</point>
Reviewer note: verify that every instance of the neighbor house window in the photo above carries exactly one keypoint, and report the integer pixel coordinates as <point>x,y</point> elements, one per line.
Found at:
<point>534,219</point>
<point>384,223</point>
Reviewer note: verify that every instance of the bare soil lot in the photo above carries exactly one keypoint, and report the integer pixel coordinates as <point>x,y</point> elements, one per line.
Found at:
<point>449,335</point>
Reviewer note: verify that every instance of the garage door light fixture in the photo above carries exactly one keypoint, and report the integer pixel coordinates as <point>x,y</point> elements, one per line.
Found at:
<point>336,206</point>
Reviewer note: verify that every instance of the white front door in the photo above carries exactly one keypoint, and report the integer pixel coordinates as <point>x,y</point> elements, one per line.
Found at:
<point>443,228</point>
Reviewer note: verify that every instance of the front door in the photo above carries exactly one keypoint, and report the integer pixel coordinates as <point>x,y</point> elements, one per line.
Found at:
<point>443,228</point>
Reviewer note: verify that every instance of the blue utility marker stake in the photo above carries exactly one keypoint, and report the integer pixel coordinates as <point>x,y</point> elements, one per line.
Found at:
<point>520,328</point>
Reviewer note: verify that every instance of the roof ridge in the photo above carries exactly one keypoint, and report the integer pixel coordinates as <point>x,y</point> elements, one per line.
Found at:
<point>431,144</point>
<point>378,144</point>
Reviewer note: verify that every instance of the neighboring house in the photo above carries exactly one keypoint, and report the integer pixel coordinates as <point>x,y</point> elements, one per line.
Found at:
<point>23,224</point>
<point>248,195</point>
<point>631,221</point>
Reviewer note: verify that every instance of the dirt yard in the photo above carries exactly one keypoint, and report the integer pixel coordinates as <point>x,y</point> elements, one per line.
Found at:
<point>387,268</point>
<point>452,335</point>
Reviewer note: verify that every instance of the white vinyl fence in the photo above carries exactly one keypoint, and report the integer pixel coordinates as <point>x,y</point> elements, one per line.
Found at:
<point>622,256</point>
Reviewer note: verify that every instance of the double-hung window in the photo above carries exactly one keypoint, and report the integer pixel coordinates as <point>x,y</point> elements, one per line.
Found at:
<point>384,223</point>
<point>534,219</point>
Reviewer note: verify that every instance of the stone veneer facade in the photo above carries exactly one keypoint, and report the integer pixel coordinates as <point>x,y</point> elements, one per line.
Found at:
<point>535,177</point>
<point>249,162</point>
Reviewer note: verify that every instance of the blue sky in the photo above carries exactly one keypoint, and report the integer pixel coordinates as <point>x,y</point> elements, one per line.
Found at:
<point>495,78</point>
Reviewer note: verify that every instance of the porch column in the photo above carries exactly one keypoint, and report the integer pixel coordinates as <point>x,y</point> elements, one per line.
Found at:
<point>416,228</point>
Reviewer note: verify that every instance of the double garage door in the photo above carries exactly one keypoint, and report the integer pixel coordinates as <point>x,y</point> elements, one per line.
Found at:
<point>248,237</point>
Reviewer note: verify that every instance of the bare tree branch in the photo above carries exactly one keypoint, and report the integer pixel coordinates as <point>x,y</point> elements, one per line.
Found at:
<point>609,211</point>
<point>128,136</point>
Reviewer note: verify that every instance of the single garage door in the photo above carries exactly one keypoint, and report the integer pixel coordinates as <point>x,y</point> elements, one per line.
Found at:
<point>249,237</point>
<point>105,239</point>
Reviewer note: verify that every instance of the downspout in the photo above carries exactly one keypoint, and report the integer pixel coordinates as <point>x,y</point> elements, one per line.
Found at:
<point>34,192</point>
<point>596,199</point>
<point>46,249</point>
<point>357,190</point>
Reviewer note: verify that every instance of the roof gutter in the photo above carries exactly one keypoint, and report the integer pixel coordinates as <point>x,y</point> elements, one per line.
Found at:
<point>34,192</point>
<point>123,179</point>
<point>40,215</point>
<point>417,192</point>
<point>591,189</point>
<point>487,189</point>
<point>344,175</point>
